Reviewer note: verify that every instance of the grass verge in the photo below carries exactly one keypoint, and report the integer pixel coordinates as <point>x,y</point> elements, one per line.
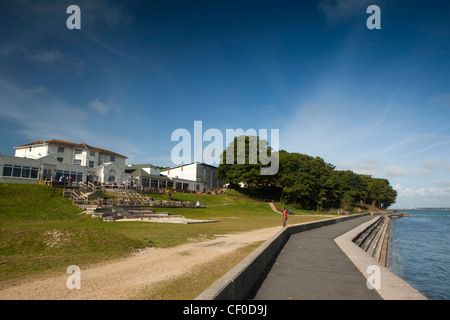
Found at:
<point>41,231</point>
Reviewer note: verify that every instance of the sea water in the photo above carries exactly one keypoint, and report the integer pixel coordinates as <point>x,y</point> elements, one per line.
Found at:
<point>419,251</point>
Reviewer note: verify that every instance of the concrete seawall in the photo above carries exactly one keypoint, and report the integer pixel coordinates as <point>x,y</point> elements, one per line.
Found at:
<point>392,286</point>
<point>237,283</point>
<point>375,238</point>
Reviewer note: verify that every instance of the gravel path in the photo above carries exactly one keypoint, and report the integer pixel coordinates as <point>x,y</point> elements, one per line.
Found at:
<point>126,278</point>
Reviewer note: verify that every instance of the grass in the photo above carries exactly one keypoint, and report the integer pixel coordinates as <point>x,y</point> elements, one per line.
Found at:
<point>190,285</point>
<point>40,231</point>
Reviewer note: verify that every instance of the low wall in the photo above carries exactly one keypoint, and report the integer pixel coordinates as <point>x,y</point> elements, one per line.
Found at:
<point>237,283</point>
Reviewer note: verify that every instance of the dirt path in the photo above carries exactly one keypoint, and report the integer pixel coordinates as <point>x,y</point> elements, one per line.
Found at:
<point>126,278</point>
<point>274,208</point>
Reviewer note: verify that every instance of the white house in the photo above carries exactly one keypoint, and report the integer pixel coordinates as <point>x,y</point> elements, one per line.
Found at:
<point>52,159</point>
<point>203,175</point>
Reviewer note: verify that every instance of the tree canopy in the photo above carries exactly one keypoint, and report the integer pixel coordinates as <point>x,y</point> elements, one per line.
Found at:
<point>306,182</point>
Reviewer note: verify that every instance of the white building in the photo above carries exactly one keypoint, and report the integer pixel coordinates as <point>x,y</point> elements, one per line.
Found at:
<point>203,176</point>
<point>51,159</point>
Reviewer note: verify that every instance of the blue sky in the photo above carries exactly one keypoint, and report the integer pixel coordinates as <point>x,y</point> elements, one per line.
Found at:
<point>372,101</point>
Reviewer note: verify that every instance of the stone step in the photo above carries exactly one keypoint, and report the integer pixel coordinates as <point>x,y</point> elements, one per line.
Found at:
<point>367,242</point>
<point>360,238</point>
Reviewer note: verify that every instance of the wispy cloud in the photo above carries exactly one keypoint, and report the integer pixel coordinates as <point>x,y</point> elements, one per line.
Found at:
<point>446,141</point>
<point>400,171</point>
<point>48,56</point>
<point>46,116</point>
<point>442,100</point>
<point>437,164</point>
<point>99,106</point>
<point>365,166</point>
<point>340,10</point>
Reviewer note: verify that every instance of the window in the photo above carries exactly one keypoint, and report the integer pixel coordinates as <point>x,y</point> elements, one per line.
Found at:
<point>112,176</point>
<point>47,174</point>
<point>78,151</point>
<point>60,149</point>
<point>76,176</point>
<point>34,173</point>
<point>7,170</point>
<point>60,159</point>
<point>92,153</point>
<point>25,172</point>
<point>113,158</point>
<point>91,164</point>
<point>20,171</point>
<point>17,171</point>
<point>77,162</point>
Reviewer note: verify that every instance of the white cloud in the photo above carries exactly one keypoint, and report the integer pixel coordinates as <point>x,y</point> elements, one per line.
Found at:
<point>437,164</point>
<point>365,166</point>
<point>422,193</point>
<point>99,106</point>
<point>443,183</point>
<point>399,171</point>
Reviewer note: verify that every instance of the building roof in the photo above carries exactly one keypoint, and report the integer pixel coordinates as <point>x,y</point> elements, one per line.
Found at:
<point>139,172</point>
<point>140,166</point>
<point>63,143</point>
<point>188,164</point>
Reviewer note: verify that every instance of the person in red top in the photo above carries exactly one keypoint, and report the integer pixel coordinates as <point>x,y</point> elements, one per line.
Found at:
<point>285,216</point>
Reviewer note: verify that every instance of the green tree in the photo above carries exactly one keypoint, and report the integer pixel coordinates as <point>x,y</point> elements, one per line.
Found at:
<point>241,163</point>
<point>302,180</point>
<point>381,194</point>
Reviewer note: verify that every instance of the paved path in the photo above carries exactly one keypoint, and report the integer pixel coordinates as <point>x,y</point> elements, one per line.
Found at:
<point>274,208</point>
<point>311,266</point>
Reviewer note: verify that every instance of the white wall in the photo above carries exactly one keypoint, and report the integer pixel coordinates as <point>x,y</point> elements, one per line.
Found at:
<point>197,172</point>
<point>36,152</point>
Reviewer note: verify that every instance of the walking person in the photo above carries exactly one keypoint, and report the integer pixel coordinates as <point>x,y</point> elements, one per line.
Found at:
<point>285,216</point>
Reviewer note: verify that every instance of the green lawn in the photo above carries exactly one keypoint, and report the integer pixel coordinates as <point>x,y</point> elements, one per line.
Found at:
<point>42,231</point>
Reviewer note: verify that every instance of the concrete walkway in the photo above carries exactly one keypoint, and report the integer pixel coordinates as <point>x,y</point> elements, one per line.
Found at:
<point>311,266</point>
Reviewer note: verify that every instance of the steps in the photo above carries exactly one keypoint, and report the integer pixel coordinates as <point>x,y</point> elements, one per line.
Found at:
<point>374,239</point>
<point>112,213</point>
